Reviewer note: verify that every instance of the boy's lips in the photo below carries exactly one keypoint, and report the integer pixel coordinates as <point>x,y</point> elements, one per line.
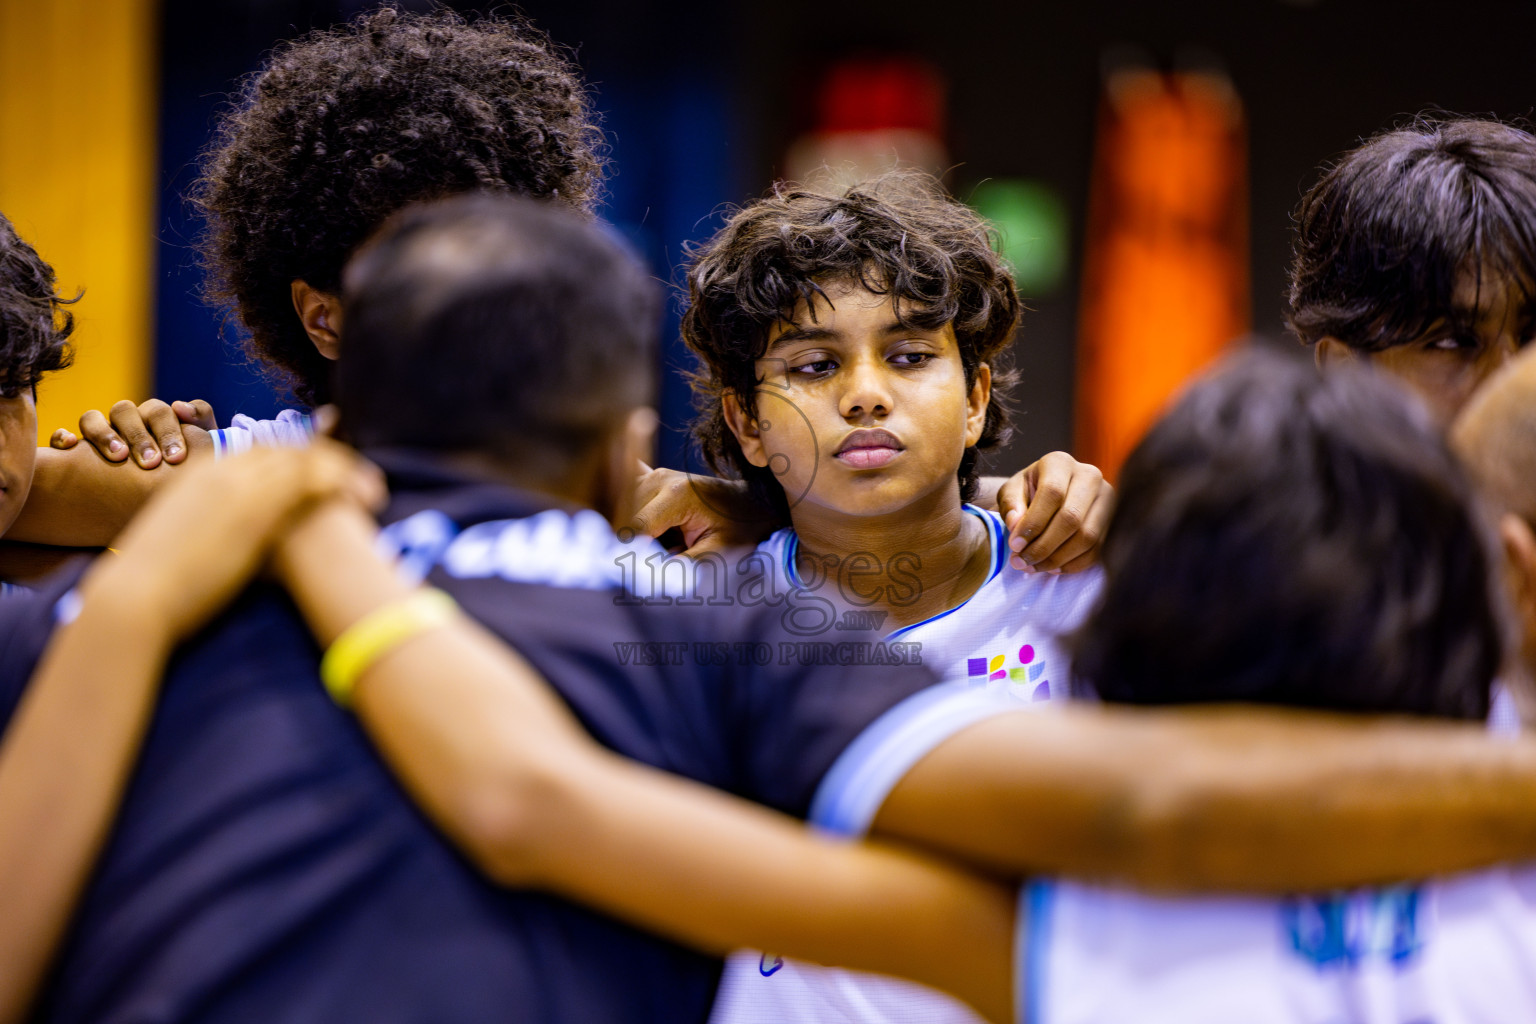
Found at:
<point>869,449</point>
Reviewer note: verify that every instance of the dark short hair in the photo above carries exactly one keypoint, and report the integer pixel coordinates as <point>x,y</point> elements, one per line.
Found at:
<point>897,234</point>
<point>34,325</point>
<point>495,324</point>
<point>1285,539</point>
<point>1384,236</point>
<point>345,126</point>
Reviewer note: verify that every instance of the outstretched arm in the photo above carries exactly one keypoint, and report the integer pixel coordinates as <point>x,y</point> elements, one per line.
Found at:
<point>488,750</point>
<point>68,751</point>
<point>79,499</point>
<point>1221,798</point>
<point>1208,798</point>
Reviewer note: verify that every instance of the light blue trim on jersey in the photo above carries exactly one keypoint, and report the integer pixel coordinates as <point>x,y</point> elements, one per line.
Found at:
<point>791,549</point>
<point>1035,902</point>
<point>999,538</point>
<point>999,535</point>
<point>869,768</point>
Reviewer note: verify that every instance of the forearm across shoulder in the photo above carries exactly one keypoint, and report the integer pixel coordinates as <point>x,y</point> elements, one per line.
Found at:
<point>79,499</point>
<point>1221,798</point>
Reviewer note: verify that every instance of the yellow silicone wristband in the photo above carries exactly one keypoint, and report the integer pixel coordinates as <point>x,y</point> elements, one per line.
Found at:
<point>375,634</point>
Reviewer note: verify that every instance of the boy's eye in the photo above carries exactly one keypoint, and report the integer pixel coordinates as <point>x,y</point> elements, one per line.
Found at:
<point>813,368</point>
<point>911,358</point>
<point>1451,344</point>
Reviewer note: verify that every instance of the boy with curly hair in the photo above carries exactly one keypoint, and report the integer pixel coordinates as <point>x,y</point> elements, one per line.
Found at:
<point>854,350</point>
<point>855,359</point>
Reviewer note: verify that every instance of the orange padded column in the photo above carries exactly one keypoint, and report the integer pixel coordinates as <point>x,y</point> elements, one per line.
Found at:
<point>1165,277</point>
<point>78,86</point>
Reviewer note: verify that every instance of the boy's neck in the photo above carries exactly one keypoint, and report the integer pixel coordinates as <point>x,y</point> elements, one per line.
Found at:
<point>914,563</point>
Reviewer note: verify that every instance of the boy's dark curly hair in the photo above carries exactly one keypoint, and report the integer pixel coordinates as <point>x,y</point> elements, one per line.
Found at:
<point>897,234</point>
<point>343,127</point>
<point>1385,235</point>
<point>34,325</point>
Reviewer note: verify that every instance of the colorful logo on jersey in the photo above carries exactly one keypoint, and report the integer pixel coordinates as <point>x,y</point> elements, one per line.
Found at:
<point>767,969</point>
<point>1026,673</point>
<point>1379,925</point>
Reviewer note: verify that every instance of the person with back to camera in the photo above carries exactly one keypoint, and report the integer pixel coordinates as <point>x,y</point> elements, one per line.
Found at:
<point>1382,595</point>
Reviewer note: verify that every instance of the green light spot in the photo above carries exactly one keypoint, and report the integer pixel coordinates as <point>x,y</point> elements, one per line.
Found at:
<point>1032,221</point>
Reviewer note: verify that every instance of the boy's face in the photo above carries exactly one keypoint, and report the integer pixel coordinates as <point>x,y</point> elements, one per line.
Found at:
<point>18,454</point>
<point>857,414</point>
<point>1445,367</point>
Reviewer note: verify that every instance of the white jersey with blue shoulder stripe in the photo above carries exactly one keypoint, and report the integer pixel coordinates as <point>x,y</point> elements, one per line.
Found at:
<point>291,429</point>
<point>1004,644</point>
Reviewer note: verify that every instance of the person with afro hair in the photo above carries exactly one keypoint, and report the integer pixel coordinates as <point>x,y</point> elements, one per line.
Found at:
<point>345,126</point>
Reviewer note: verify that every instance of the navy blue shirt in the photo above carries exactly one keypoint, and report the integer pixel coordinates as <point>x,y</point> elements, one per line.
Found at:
<point>267,867</point>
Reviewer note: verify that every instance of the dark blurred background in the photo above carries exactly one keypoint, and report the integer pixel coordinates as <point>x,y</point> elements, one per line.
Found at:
<point>705,104</point>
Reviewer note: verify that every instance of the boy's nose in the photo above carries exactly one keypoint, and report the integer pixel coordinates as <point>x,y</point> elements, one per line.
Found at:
<point>865,394</point>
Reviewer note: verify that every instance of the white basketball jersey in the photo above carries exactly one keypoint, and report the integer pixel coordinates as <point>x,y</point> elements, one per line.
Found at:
<point>1006,639</point>
<point>1457,951</point>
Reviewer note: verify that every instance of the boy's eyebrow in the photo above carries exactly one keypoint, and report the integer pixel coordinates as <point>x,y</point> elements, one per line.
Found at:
<point>810,332</point>
<point>816,332</point>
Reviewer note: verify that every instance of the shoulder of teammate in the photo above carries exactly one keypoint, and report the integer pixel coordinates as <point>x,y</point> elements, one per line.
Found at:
<point>814,698</point>
<point>633,659</point>
<point>1086,580</point>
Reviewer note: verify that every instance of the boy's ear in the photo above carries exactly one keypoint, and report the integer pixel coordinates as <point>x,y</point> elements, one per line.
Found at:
<point>1330,353</point>
<point>745,429</point>
<point>976,405</point>
<point>630,451</point>
<point>320,313</point>
<point>640,435</point>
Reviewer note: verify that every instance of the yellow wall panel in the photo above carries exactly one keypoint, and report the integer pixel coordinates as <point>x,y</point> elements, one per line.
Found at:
<point>78,91</point>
